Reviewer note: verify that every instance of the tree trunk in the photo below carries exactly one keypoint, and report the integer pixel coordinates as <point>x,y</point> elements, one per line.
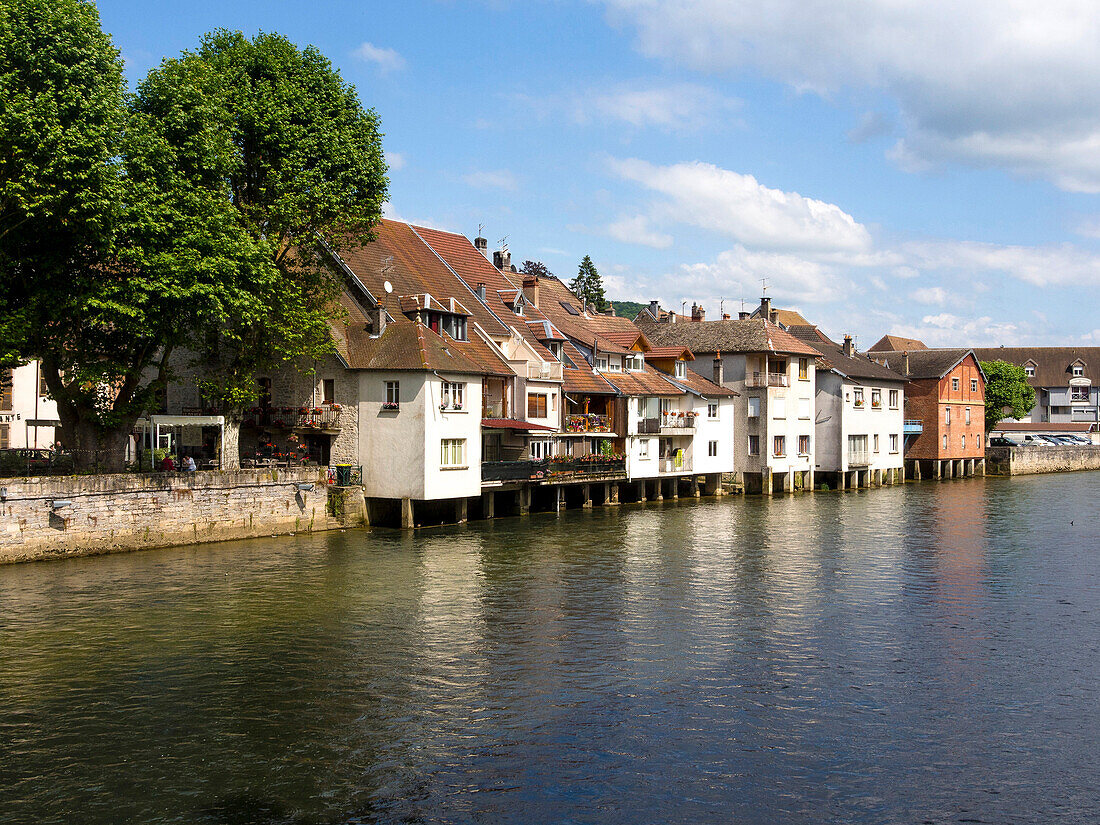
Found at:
<point>231,443</point>
<point>95,448</point>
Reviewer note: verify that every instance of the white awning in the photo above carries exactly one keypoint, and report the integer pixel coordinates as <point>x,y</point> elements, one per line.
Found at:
<point>189,420</point>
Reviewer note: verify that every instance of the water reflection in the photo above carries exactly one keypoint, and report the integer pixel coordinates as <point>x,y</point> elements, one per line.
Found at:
<point>925,653</point>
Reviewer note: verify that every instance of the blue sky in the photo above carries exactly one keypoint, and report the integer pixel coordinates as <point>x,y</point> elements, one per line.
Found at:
<point>900,167</point>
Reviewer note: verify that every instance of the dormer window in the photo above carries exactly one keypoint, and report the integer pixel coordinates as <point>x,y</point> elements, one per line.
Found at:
<point>1078,370</point>
<point>555,348</point>
<point>518,308</point>
<point>632,363</point>
<point>601,364</point>
<point>1029,370</point>
<point>680,370</point>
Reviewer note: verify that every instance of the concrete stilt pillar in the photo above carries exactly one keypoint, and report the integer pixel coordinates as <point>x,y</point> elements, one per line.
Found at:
<point>488,505</point>
<point>660,489</point>
<point>587,504</point>
<point>525,500</point>
<point>559,499</point>
<point>937,469</point>
<point>461,510</point>
<point>407,522</point>
<point>810,481</point>
<point>614,498</point>
<point>695,487</point>
<point>876,478</point>
<point>840,479</point>
<point>970,469</point>
<point>641,491</point>
<point>675,488</point>
<point>766,481</point>
<point>980,468</point>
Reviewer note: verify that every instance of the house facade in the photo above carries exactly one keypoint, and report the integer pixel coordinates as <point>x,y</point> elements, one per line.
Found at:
<point>945,401</point>
<point>28,417</point>
<point>1066,381</point>
<point>860,415</point>
<point>773,374</point>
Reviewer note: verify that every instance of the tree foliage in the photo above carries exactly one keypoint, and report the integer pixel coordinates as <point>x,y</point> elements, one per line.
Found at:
<point>191,216</point>
<point>1006,388</point>
<point>536,268</point>
<point>588,286</point>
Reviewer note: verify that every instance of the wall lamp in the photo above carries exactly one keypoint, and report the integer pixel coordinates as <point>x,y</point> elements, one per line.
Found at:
<point>60,503</point>
<point>3,493</point>
<point>304,487</point>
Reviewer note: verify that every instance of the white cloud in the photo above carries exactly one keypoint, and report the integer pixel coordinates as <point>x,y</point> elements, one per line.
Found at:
<point>1007,83</point>
<point>737,272</point>
<point>386,59</point>
<point>737,205</point>
<point>929,295</point>
<point>1042,266</point>
<point>395,160</point>
<point>492,179</point>
<point>637,230</point>
<point>945,330</point>
<point>669,106</point>
<point>1088,227</point>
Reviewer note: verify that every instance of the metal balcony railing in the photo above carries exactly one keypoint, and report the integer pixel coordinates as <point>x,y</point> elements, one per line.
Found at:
<point>913,426</point>
<point>858,459</point>
<point>587,423</point>
<point>649,426</point>
<point>678,420</point>
<point>546,370</point>
<point>319,418</point>
<point>553,469</point>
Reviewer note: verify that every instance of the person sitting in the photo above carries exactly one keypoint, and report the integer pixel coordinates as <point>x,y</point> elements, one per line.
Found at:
<point>167,465</point>
<point>189,464</point>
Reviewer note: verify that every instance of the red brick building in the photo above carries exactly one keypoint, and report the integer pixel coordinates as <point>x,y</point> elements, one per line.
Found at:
<point>944,411</point>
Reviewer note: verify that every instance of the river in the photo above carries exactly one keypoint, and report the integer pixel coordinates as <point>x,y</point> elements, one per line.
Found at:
<point>922,654</point>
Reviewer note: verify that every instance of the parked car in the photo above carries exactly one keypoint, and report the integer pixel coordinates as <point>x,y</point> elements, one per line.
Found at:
<point>1079,439</point>
<point>1036,441</point>
<point>1002,441</point>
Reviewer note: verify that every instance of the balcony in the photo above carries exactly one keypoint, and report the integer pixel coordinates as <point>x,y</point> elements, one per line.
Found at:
<point>555,470</point>
<point>677,420</point>
<point>649,426</point>
<point>587,423</point>
<point>545,371</point>
<point>771,379</point>
<point>859,459</point>
<point>913,426</point>
<point>324,419</point>
<point>675,465</point>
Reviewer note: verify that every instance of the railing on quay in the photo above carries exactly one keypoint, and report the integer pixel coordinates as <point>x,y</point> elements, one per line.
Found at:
<point>552,469</point>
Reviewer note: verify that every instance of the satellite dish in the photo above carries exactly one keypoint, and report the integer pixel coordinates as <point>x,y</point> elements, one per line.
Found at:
<point>388,287</point>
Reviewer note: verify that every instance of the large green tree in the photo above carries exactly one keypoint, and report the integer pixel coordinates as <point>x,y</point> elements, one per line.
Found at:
<point>1006,388</point>
<point>186,218</point>
<point>588,285</point>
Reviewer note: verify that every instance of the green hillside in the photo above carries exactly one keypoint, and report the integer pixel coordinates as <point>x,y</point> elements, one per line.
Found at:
<point>627,309</point>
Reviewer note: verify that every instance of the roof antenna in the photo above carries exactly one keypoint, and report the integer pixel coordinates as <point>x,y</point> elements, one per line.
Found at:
<point>764,287</point>
<point>722,308</point>
<point>481,230</point>
<point>384,271</point>
<point>504,244</point>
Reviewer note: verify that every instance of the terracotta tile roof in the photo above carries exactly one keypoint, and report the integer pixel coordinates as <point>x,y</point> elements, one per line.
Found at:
<point>748,335</point>
<point>512,424</point>
<point>1052,364</point>
<point>545,331</point>
<point>857,366</point>
<point>926,363</point>
<point>696,383</point>
<point>410,346</point>
<point>895,343</point>
<point>673,352</point>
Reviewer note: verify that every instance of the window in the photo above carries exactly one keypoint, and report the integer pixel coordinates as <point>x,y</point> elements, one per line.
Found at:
<point>857,396</point>
<point>945,442</point>
<point>1078,394</point>
<point>962,440</point>
<point>455,326</point>
<point>973,385</point>
<point>754,407</point>
<point>5,438</point>
<point>966,415</point>
<point>779,445</point>
<point>643,447</point>
<point>1078,370</point>
<point>452,452</point>
<point>328,390</point>
<point>978,441</point>
<point>893,399</point>
<point>43,390</point>
<point>779,408</point>
<point>393,395</point>
<point>536,405</point>
<point>681,369</point>
<point>893,442</point>
<point>454,396</point>
<point>804,369</point>
<point>601,364</point>
<point>5,388</point>
<point>955,384</point>
<point>712,448</point>
<point>874,443</point>
<point>712,411</point>
<point>615,365</point>
<point>803,445</point>
<point>754,445</point>
<point>804,408</point>
<point>1029,370</point>
<point>541,448</point>
<point>876,399</point>
<point>946,415</point>
<point>555,348</point>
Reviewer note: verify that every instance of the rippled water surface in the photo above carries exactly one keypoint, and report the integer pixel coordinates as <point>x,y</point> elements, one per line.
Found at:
<point>924,654</point>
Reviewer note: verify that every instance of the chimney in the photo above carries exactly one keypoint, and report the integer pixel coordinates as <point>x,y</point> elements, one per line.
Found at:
<point>774,316</point>
<point>743,316</point>
<point>482,246</point>
<point>905,362</point>
<point>502,260</point>
<point>481,290</point>
<point>719,372</point>
<point>531,289</point>
<point>766,308</point>
<point>849,347</point>
<point>610,309</point>
<point>725,316</point>
<point>377,318</point>
<point>655,310</point>
<point>697,313</point>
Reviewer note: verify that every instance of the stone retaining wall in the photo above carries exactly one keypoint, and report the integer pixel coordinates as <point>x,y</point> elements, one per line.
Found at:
<point>1015,461</point>
<point>107,513</point>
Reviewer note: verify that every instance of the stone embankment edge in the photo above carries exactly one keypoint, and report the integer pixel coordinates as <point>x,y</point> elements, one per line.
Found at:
<point>48,517</point>
<point>1017,461</point>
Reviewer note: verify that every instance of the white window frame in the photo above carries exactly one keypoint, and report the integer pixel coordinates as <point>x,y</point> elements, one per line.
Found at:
<point>894,395</point>
<point>643,449</point>
<point>712,449</point>
<point>713,410</point>
<point>779,440</point>
<point>393,392</point>
<point>753,400</point>
<point>876,399</point>
<point>809,443</point>
<point>874,443</point>
<point>857,397</point>
<point>973,384</point>
<point>954,384</point>
<point>452,453</point>
<point>894,442</point>
<point>453,396</point>
<point>601,364</point>
<point>680,369</point>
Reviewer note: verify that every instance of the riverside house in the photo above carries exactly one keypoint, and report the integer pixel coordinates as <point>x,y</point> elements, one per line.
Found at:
<point>860,415</point>
<point>773,373</point>
<point>1066,381</point>
<point>944,410</point>
<point>28,417</point>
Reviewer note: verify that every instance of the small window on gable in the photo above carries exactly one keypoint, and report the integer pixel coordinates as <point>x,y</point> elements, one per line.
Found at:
<point>1078,370</point>
<point>681,369</point>
<point>1029,370</point>
<point>601,364</point>
<point>955,384</point>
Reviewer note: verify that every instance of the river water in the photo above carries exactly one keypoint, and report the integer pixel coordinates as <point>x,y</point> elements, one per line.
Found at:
<point>923,654</point>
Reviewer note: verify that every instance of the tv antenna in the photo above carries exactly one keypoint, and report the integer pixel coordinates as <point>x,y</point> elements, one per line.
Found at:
<point>764,287</point>
<point>504,244</point>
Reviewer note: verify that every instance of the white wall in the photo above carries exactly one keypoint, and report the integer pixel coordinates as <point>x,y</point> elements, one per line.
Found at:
<point>789,419</point>
<point>867,420</point>
<point>440,482</point>
<point>391,443</point>
<point>28,405</point>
